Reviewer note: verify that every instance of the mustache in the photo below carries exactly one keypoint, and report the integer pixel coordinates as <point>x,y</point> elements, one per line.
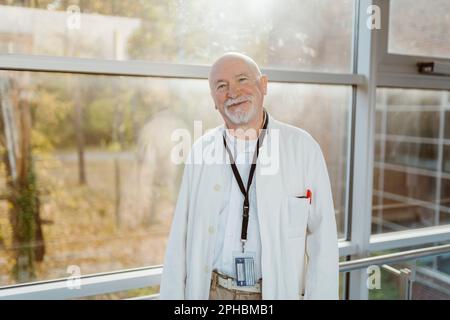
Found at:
<point>238,100</point>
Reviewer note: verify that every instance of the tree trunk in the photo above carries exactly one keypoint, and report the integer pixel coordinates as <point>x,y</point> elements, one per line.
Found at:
<point>28,241</point>
<point>79,131</point>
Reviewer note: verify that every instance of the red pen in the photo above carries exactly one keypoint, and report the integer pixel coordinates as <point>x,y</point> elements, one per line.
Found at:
<point>309,195</point>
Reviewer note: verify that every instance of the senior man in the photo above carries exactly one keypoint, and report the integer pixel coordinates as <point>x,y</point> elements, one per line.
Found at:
<point>259,223</point>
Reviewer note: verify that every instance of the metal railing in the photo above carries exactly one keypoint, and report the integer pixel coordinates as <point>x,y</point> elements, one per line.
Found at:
<point>406,276</point>
<point>112,282</point>
<point>394,257</point>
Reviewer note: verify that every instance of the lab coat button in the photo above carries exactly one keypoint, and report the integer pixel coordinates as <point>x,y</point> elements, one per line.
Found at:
<point>206,269</point>
<point>211,230</point>
<point>217,187</point>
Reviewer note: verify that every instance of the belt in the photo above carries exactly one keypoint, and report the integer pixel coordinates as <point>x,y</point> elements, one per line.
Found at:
<point>230,283</point>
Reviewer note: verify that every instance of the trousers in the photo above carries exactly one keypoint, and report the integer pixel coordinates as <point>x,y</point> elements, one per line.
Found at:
<point>218,292</point>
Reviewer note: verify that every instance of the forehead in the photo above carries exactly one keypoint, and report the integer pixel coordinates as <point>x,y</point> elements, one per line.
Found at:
<point>229,69</point>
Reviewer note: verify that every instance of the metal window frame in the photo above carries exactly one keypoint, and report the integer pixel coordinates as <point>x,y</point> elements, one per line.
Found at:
<point>360,203</point>
<point>136,68</point>
<point>373,67</point>
<point>409,238</point>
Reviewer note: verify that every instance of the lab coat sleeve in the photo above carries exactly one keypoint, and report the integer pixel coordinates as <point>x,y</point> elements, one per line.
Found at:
<point>322,268</point>
<point>173,280</point>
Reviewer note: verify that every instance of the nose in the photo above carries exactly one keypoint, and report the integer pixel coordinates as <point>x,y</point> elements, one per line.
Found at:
<point>233,91</point>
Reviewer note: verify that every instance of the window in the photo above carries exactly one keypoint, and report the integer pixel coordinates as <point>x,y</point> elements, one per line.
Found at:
<point>124,181</point>
<point>100,151</point>
<point>409,186</point>
<point>306,35</point>
<point>420,28</point>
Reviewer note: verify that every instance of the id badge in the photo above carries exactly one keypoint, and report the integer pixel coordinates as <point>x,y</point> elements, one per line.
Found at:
<point>244,266</point>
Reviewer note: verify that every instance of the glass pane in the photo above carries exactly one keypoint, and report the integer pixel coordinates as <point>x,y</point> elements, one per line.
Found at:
<point>418,155</point>
<point>432,280</point>
<point>409,186</point>
<point>422,279</point>
<point>412,123</point>
<point>307,35</point>
<point>101,182</point>
<point>420,28</point>
<point>447,122</point>
<point>445,199</point>
<point>446,161</point>
<point>428,283</point>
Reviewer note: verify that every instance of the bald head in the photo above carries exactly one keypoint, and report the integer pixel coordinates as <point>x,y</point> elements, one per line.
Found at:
<point>238,88</point>
<point>231,58</point>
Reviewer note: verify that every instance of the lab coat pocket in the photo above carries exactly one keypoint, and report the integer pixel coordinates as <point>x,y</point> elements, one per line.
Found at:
<point>298,211</point>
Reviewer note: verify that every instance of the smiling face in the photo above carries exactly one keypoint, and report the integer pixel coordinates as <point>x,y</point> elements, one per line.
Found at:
<point>238,89</point>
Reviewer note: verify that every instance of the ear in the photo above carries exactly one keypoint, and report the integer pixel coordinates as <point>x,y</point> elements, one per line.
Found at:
<point>263,83</point>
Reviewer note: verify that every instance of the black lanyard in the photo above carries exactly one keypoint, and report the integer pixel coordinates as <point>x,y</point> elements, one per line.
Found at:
<point>245,192</point>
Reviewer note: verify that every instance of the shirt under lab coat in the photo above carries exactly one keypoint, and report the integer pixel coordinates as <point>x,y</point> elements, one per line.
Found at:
<point>228,237</point>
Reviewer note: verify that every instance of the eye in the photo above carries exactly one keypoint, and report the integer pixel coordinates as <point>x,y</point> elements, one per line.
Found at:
<point>221,86</point>
<point>242,79</point>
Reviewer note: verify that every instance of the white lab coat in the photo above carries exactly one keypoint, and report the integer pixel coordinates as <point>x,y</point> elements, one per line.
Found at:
<point>299,258</point>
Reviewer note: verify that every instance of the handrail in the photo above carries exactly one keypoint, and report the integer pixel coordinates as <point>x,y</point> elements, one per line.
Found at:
<point>89,285</point>
<point>394,257</point>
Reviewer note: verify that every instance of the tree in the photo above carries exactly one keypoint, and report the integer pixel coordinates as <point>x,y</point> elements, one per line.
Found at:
<point>22,195</point>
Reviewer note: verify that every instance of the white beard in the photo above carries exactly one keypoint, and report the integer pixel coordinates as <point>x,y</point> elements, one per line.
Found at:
<point>240,116</point>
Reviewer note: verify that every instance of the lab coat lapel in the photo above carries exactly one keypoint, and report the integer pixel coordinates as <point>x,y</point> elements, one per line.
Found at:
<point>268,178</point>
<point>269,193</point>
